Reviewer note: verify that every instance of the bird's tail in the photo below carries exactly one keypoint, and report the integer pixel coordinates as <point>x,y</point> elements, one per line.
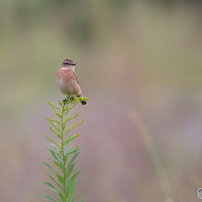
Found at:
<point>83,102</point>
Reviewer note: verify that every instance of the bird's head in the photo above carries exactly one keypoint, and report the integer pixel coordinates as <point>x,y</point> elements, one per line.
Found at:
<point>69,64</point>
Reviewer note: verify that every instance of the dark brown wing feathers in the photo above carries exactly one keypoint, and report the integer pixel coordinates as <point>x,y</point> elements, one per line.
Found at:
<point>76,77</point>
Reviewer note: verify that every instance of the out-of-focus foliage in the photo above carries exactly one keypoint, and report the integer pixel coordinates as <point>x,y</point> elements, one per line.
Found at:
<point>139,62</point>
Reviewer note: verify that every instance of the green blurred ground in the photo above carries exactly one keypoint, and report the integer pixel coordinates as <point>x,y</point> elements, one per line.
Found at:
<point>132,58</point>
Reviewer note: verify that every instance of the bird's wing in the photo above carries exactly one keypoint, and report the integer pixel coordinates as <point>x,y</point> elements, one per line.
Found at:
<point>76,78</point>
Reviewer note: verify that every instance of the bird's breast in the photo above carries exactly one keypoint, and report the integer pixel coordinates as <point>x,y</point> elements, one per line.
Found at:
<point>66,82</point>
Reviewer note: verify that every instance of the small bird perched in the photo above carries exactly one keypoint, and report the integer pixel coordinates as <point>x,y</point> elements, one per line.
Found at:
<point>67,79</point>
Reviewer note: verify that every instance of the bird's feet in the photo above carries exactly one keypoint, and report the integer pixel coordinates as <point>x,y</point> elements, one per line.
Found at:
<point>71,97</point>
<point>64,101</point>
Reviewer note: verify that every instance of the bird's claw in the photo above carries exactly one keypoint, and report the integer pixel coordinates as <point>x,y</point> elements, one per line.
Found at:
<point>71,97</point>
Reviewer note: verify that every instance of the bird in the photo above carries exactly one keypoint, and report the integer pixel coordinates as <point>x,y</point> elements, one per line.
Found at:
<point>67,79</point>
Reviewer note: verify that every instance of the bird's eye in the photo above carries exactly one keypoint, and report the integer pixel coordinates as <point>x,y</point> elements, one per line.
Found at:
<point>66,63</point>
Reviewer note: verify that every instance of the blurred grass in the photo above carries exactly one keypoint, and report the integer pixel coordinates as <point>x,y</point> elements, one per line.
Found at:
<point>131,56</point>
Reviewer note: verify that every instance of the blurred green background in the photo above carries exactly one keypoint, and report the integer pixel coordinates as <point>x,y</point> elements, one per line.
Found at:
<point>140,65</point>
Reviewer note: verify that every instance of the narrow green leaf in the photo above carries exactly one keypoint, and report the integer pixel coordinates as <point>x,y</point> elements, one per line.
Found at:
<point>62,197</point>
<point>65,159</point>
<point>67,142</point>
<point>74,176</point>
<point>61,179</point>
<point>77,197</point>
<point>56,156</point>
<point>55,182</point>
<point>73,151</point>
<point>55,146</point>
<point>56,163</point>
<point>70,139</point>
<point>69,149</point>
<point>83,200</point>
<point>70,169</point>
<point>49,197</point>
<point>71,190</point>
<point>74,157</point>
<point>52,151</point>
<point>55,172</point>
<point>51,167</point>
<point>49,184</point>
<point>66,182</point>
<point>55,190</point>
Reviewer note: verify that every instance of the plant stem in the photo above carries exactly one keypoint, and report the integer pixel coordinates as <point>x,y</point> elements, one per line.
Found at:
<point>63,152</point>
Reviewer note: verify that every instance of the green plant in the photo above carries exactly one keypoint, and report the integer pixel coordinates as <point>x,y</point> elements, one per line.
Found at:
<point>64,158</point>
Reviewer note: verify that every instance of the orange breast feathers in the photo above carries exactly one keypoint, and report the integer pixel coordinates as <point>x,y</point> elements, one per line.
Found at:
<point>67,82</point>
